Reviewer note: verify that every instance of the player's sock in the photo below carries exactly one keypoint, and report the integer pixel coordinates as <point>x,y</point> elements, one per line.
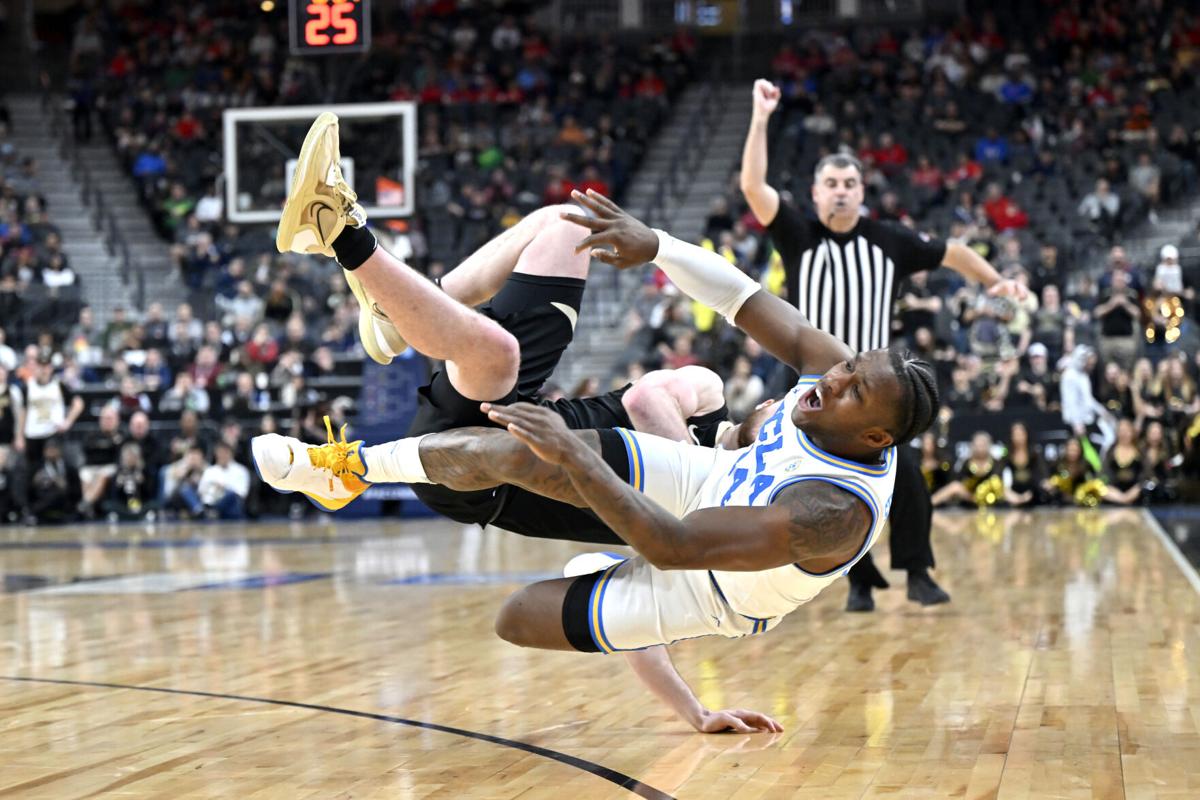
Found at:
<point>394,462</point>
<point>354,246</point>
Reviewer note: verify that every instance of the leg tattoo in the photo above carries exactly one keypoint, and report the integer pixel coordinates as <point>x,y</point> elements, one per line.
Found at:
<point>470,459</point>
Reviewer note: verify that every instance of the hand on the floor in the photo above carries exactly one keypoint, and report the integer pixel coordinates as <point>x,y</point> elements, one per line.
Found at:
<point>540,429</point>
<point>736,720</point>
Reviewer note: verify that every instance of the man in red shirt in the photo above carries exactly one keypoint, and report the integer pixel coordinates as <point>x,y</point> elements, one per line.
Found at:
<point>1003,213</point>
<point>966,170</point>
<point>890,156</point>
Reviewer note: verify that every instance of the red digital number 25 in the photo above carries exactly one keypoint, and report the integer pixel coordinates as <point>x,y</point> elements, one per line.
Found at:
<point>330,15</point>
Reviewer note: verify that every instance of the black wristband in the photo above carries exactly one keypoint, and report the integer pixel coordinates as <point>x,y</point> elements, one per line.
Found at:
<point>354,246</point>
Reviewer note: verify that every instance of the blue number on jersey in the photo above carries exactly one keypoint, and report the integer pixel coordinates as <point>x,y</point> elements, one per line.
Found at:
<point>769,438</point>
<point>739,477</point>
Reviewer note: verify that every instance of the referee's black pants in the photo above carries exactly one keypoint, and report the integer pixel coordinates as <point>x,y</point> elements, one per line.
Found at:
<point>911,520</point>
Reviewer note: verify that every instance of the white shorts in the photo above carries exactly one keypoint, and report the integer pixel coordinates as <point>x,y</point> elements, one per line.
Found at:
<point>632,605</point>
<point>671,473</point>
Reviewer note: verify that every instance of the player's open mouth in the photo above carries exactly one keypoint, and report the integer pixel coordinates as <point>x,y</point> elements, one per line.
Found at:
<point>811,400</point>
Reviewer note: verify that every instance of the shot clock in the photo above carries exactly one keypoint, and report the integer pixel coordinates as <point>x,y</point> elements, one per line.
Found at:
<point>321,27</point>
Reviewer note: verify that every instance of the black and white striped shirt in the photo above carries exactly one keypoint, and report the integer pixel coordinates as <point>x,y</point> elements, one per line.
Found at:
<point>845,283</point>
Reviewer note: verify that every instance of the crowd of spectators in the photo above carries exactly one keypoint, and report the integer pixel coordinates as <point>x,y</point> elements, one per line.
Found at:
<point>1059,122</point>
<point>1044,148</point>
<point>511,118</point>
<point>1042,142</point>
<point>36,279</point>
<point>149,413</point>
<point>147,416</point>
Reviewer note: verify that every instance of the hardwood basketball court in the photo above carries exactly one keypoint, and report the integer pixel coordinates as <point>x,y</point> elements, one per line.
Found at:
<point>333,660</point>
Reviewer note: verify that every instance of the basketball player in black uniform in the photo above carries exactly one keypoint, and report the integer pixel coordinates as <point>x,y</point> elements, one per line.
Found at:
<point>843,272</point>
<point>528,284</point>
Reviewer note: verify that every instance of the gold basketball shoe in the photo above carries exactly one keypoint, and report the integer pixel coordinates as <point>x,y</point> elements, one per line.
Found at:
<point>319,207</point>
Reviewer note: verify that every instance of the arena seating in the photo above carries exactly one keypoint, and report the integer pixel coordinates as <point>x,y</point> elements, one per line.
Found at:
<point>996,130</point>
<point>510,120</point>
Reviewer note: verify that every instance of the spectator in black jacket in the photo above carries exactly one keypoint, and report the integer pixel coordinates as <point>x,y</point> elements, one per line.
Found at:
<point>130,493</point>
<point>54,488</point>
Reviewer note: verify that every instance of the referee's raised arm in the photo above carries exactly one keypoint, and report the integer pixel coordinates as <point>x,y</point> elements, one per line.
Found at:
<point>761,196</point>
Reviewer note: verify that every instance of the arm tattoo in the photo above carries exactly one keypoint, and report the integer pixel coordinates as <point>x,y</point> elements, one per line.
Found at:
<point>826,522</point>
<point>470,459</point>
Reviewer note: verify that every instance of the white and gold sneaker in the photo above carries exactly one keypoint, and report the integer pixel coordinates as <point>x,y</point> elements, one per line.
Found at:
<point>378,335</point>
<point>320,204</point>
<point>319,207</point>
<point>329,474</point>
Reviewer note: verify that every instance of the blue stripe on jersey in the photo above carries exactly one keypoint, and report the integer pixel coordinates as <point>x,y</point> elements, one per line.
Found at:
<point>634,453</point>
<point>717,586</point>
<point>641,463</point>
<point>760,624</point>
<point>875,470</point>
<point>592,630</point>
<point>596,603</point>
<point>851,487</point>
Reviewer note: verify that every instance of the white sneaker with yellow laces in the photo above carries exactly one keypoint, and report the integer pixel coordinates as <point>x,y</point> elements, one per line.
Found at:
<point>329,474</point>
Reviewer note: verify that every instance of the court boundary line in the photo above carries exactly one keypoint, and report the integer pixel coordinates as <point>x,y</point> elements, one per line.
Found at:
<point>620,779</point>
<point>1185,566</point>
<point>189,543</point>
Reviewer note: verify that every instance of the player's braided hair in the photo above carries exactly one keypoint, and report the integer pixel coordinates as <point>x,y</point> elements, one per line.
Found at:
<point>919,395</point>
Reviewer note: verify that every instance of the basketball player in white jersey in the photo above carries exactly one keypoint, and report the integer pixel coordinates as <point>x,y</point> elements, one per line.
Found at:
<point>531,279</point>
<point>728,542</point>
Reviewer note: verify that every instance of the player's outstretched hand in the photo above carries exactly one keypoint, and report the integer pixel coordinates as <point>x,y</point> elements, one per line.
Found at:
<point>540,429</point>
<point>632,243</point>
<point>735,720</point>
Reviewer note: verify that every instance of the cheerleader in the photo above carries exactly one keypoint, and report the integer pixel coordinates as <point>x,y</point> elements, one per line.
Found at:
<point>934,467</point>
<point>1071,473</point>
<point>1124,467</point>
<point>976,470</point>
<point>1158,459</point>
<point>1022,469</point>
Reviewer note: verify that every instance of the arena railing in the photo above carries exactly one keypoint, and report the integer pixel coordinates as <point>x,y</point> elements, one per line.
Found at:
<point>693,146</point>
<point>103,219</point>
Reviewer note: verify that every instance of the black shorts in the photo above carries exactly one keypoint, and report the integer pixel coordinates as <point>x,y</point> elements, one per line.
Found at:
<point>530,514</point>
<point>524,308</point>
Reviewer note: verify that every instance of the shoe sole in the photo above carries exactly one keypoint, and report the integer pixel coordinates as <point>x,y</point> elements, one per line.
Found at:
<point>293,208</point>
<point>366,326</point>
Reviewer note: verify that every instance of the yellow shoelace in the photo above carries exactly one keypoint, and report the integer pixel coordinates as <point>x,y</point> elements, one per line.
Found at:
<point>334,455</point>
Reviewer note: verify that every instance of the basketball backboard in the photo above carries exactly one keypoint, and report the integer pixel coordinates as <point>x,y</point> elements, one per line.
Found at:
<point>378,146</point>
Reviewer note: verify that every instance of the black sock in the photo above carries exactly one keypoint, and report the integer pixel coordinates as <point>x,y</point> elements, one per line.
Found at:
<point>353,246</point>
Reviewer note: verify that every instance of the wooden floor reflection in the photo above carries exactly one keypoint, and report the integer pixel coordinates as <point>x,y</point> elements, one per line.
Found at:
<point>1064,668</point>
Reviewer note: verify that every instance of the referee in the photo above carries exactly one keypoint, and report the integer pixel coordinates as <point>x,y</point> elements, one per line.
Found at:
<point>843,271</point>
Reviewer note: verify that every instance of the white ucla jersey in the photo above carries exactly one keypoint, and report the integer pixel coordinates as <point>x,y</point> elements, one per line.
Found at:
<point>781,457</point>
